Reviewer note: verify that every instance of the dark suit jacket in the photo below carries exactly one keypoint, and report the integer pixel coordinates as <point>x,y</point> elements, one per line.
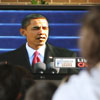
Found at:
<point>20,56</point>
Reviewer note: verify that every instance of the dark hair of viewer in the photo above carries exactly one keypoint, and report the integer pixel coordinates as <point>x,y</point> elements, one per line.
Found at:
<point>14,82</point>
<point>41,91</point>
<point>90,40</point>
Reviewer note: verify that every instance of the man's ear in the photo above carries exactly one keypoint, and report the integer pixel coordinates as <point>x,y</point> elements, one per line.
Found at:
<point>22,31</point>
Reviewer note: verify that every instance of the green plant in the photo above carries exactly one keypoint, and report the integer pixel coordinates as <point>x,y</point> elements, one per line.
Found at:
<point>34,1</point>
<point>39,2</point>
<point>43,2</point>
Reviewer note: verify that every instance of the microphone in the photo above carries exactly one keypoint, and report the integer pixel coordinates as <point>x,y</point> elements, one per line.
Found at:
<point>51,68</point>
<point>39,68</point>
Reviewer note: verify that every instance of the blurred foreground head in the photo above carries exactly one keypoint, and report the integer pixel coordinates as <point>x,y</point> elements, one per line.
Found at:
<point>41,91</point>
<point>14,82</point>
<point>90,36</point>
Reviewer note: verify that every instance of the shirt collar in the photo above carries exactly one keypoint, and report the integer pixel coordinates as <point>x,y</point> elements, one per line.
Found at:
<point>31,51</point>
<point>41,50</point>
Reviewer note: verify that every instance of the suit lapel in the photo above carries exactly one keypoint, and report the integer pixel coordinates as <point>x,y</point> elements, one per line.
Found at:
<point>24,57</point>
<point>48,54</point>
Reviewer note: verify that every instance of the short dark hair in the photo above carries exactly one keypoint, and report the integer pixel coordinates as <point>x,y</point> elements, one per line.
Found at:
<point>26,20</point>
<point>41,91</point>
<point>90,41</point>
<point>14,80</point>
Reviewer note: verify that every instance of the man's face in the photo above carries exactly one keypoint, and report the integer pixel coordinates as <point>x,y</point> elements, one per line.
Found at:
<point>36,32</point>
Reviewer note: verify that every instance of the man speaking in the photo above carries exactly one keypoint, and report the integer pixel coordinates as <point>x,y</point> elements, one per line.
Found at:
<point>36,29</point>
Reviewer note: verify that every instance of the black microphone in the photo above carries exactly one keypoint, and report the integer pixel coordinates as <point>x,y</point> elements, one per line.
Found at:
<point>39,68</point>
<point>51,68</point>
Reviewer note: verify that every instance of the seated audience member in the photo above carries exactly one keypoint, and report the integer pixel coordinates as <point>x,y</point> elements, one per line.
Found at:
<point>36,30</point>
<point>14,82</point>
<point>86,85</point>
<point>41,91</point>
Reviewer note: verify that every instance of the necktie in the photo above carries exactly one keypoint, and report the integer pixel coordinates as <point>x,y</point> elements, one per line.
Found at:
<point>36,57</point>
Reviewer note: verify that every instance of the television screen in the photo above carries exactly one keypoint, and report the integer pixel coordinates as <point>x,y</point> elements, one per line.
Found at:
<point>64,25</point>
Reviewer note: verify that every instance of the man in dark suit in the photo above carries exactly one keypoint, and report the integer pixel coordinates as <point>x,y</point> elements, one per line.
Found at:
<point>35,29</point>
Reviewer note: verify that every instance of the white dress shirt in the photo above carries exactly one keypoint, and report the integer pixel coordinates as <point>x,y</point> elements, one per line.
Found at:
<point>31,51</point>
<point>85,86</point>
